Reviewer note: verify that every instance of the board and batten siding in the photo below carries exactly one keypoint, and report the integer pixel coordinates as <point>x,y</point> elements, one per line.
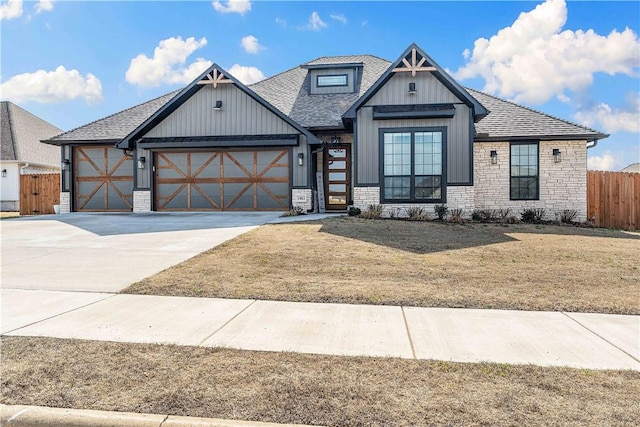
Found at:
<point>240,115</point>
<point>459,148</point>
<point>313,83</point>
<point>429,90</point>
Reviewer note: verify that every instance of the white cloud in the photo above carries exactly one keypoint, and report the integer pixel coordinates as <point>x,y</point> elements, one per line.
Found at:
<point>315,23</point>
<point>606,162</point>
<point>247,75</point>
<point>613,120</point>
<point>250,44</point>
<point>232,6</point>
<point>168,65</point>
<point>533,60</point>
<point>339,17</point>
<point>44,6</point>
<point>11,9</point>
<point>281,22</point>
<point>52,86</point>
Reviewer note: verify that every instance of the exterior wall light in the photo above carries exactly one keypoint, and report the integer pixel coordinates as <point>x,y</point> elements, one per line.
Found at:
<point>218,106</point>
<point>412,89</point>
<point>141,162</point>
<point>335,140</point>
<point>557,155</point>
<point>494,157</point>
<point>65,164</point>
<point>4,173</point>
<point>300,159</point>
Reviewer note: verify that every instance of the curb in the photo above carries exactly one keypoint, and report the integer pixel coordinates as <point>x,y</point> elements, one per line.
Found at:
<point>41,416</point>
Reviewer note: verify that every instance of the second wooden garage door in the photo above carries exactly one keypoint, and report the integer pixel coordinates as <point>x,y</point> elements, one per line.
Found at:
<point>222,180</point>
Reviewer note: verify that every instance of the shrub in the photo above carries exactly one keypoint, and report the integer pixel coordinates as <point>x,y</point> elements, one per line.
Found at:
<point>485,215</point>
<point>295,211</point>
<point>372,212</point>
<point>441,211</point>
<point>416,213</point>
<point>568,215</point>
<point>456,216</point>
<point>353,211</point>
<point>532,215</point>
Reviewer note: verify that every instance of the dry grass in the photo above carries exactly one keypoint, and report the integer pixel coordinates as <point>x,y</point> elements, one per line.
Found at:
<point>295,388</point>
<point>350,260</point>
<point>7,215</point>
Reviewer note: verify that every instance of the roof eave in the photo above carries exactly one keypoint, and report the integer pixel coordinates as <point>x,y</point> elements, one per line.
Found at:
<point>60,142</point>
<point>570,137</point>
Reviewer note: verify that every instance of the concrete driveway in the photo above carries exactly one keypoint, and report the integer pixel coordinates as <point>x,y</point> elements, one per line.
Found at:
<point>108,252</point>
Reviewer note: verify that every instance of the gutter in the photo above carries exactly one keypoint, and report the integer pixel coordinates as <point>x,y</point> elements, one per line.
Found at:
<point>22,168</point>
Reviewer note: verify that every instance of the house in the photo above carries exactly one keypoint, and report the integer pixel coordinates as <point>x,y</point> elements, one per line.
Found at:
<point>632,168</point>
<point>328,134</point>
<point>22,151</point>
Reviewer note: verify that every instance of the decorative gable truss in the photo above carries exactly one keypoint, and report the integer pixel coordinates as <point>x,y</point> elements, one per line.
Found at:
<point>214,78</point>
<point>418,63</point>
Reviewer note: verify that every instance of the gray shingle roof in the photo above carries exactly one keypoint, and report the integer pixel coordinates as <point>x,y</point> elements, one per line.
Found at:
<point>21,135</point>
<point>509,120</point>
<point>116,126</point>
<point>287,91</point>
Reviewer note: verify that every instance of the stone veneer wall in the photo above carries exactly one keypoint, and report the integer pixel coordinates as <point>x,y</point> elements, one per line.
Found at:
<point>302,198</point>
<point>458,197</point>
<point>142,201</point>
<point>65,202</point>
<point>562,185</point>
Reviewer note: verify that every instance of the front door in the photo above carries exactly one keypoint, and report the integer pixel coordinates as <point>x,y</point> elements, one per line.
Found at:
<point>337,172</point>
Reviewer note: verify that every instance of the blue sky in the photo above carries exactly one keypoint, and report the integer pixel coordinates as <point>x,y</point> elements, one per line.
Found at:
<point>71,62</point>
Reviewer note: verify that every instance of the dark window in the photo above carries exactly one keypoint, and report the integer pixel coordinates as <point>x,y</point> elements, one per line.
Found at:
<point>332,80</point>
<point>413,166</point>
<point>524,171</point>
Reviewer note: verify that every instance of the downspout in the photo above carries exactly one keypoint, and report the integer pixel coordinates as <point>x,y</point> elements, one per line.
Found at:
<point>592,144</point>
<point>22,168</point>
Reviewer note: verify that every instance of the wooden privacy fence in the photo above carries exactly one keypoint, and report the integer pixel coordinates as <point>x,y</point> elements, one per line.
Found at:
<point>613,199</point>
<point>38,193</point>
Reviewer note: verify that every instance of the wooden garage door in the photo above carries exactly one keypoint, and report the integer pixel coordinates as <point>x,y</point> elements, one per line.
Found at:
<point>222,180</point>
<point>103,179</point>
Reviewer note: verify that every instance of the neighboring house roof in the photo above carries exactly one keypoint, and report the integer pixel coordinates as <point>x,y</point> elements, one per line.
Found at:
<point>117,126</point>
<point>633,167</point>
<point>21,133</point>
<point>287,91</point>
<point>508,121</point>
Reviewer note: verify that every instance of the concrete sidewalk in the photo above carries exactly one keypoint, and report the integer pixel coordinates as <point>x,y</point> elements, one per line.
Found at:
<point>41,416</point>
<point>590,341</point>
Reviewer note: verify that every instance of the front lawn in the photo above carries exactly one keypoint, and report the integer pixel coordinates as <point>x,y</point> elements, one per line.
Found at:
<point>429,264</point>
<point>310,389</point>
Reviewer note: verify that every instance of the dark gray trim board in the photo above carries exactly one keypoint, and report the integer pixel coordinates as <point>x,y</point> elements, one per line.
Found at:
<point>413,111</point>
<point>525,138</point>
<point>219,142</point>
<point>83,142</point>
<point>329,66</point>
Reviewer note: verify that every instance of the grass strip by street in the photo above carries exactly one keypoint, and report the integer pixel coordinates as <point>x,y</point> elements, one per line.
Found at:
<point>427,264</point>
<point>308,389</point>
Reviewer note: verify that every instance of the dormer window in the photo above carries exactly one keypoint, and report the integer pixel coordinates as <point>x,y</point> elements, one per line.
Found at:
<point>336,80</point>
